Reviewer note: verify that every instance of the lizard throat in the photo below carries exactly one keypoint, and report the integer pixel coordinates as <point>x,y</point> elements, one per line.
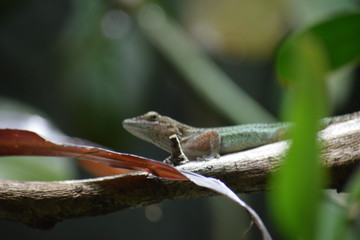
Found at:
<point>145,131</point>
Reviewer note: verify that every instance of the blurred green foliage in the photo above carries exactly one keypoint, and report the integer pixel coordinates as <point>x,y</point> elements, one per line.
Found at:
<point>298,184</point>
<point>303,63</point>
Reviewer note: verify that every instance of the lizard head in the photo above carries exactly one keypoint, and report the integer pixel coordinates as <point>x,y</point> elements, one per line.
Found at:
<point>154,128</point>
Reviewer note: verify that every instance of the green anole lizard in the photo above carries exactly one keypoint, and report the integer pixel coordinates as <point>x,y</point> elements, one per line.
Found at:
<point>211,142</point>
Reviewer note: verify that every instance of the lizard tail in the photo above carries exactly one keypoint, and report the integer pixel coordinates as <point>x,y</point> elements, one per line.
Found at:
<point>342,118</point>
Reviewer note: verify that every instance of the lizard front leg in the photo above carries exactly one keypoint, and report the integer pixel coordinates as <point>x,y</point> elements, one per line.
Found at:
<point>205,145</point>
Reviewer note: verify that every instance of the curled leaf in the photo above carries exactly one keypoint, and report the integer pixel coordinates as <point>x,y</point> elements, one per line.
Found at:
<point>27,143</point>
<point>218,186</point>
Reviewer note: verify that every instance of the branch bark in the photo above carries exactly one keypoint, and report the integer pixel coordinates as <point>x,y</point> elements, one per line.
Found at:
<point>43,204</point>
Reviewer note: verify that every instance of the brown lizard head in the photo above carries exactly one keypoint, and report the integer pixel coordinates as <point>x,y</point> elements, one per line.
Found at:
<point>155,128</point>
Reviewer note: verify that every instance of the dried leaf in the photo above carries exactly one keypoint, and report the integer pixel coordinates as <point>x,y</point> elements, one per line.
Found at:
<point>217,186</point>
<point>27,143</point>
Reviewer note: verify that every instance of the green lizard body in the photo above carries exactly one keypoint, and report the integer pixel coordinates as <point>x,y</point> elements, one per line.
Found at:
<point>203,142</point>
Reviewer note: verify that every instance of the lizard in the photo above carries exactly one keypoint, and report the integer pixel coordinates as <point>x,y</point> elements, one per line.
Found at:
<point>198,143</point>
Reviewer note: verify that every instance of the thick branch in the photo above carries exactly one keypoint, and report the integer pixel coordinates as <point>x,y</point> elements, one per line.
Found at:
<point>42,204</point>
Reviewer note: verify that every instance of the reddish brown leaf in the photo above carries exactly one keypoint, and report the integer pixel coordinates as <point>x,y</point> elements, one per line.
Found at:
<point>26,143</point>
<point>101,170</point>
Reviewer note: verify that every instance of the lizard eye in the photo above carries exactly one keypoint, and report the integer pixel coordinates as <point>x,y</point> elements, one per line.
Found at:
<point>153,117</point>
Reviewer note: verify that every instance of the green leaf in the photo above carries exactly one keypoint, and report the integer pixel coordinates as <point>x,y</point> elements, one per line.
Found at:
<point>339,217</point>
<point>339,38</point>
<point>332,222</point>
<point>302,62</point>
<point>296,198</point>
<point>352,206</point>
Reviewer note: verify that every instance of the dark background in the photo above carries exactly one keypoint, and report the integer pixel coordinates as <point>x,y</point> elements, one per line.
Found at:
<point>55,57</point>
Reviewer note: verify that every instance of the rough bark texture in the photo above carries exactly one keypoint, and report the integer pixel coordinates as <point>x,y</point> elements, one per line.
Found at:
<point>42,204</point>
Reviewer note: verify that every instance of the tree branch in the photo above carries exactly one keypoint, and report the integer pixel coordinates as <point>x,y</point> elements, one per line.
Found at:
<point>43,204</point>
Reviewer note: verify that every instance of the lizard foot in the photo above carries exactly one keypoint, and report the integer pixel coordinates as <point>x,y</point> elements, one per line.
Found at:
<point>175,161</point>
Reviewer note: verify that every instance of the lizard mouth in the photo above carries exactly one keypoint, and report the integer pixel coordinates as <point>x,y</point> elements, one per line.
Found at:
<point>146,131</point>
<point>138,128</point>
<point>133,126</point>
